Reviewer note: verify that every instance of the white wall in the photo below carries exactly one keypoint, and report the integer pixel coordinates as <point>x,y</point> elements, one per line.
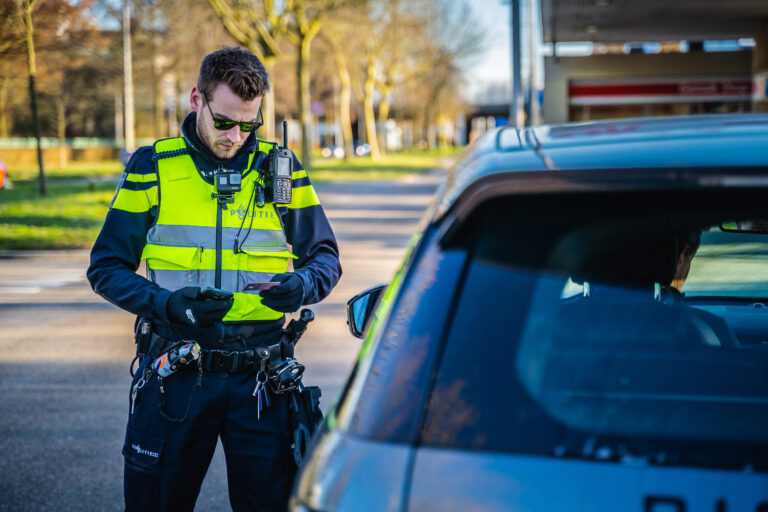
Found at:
<point>559,70</point>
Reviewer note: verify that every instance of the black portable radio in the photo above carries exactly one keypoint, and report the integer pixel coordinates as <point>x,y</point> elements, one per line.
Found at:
<point>278,181</point>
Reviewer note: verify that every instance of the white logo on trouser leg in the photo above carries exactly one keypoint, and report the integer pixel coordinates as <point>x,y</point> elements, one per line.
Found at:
<point>142,451</point>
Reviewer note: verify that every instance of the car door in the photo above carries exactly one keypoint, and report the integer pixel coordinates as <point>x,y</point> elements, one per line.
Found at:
<point>363,460</point>
<point>509,425</point>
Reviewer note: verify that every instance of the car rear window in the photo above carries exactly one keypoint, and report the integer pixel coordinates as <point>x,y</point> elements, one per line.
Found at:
<point>571,337</point>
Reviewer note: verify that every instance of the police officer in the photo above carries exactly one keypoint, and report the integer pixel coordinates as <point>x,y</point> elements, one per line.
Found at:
<point>168,211</point>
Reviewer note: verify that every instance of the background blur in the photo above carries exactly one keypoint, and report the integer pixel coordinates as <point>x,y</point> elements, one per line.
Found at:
<point>368,88</point>
<point>345,73</point>
<point>368,77</point>
<point>378,95</point>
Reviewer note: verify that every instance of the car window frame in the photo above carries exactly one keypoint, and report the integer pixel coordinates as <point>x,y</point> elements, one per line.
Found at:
<point>453,231</point>
<point>349,401</point>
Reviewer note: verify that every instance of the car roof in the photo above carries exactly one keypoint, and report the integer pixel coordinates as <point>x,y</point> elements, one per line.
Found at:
<point>728,143</point>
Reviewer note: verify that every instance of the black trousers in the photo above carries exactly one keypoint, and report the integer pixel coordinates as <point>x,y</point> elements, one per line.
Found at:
<point>165,461</point>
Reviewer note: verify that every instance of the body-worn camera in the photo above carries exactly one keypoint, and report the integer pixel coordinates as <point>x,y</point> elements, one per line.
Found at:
<point>227,184</point>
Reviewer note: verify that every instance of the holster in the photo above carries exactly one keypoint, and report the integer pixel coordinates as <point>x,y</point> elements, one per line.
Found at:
<point>306,418</point>
<point>286,346</point>
<point>148,343</point>
<point>143,336</point>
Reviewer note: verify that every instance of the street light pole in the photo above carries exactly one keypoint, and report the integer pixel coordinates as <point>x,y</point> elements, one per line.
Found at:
<point>514,104</point>
<point>128,78</point>
<point>533,113</point>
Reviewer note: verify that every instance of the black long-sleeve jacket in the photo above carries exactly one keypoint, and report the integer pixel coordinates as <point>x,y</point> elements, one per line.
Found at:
<point>116,255</point>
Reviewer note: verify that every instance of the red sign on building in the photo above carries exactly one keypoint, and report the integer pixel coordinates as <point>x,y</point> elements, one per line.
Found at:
<point>659,90</point>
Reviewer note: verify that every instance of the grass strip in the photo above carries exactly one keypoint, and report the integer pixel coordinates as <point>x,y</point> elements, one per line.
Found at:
<point>74,171</point>
<point>72,213</point>
<point>70,216</point>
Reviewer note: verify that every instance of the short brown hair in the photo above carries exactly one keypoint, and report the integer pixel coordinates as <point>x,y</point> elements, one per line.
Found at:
<point>237,67</point>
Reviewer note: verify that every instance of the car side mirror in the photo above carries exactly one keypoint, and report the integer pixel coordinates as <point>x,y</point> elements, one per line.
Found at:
<point>360,310</point>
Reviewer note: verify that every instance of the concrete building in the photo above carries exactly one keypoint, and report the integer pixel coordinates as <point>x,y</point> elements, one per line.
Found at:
<point>680,79</point>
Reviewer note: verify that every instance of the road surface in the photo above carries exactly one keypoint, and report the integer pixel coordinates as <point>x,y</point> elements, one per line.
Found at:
<point>64,354</point>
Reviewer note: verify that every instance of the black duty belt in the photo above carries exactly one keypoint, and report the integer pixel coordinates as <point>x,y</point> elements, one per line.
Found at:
<point>235,361</point>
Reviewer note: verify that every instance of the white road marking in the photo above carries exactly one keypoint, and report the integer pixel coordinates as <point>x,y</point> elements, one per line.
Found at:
<point>38,283</point>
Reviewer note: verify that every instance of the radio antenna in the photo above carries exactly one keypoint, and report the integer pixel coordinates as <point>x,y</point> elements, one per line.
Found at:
<point>285,133</point>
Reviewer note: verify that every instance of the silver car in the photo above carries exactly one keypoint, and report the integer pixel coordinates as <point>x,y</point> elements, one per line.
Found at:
<point>581,325</point>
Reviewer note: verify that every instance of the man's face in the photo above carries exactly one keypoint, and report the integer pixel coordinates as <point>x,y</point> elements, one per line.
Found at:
<point>228,106</point>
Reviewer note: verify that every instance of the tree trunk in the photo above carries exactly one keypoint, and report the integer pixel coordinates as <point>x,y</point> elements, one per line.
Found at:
<point>33,100</point>
<point>431,115</point>
<point>179,117</point>
<point>4,114</point>
<point>61,122</point>
<point>158,101</point>
<point>119,134</point>
<point>303,100</point>
<point>268,105</point>
<point>370,116</point>
<point>383,116</point>
<point>345,119</point>
<point>345,98</point>
<point>159,124</point>
<point>130,134</point>
<point>32,90</point>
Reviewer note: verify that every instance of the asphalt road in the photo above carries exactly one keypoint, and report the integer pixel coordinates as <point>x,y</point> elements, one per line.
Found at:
<point>64,354</point>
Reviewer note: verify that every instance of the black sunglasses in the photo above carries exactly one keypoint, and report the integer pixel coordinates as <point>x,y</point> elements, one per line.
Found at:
<point>224,124</point>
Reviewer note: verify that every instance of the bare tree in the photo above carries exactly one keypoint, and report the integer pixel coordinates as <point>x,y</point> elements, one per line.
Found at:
<point>11,42</point>
<point>67,45</point>
<point>335,33</point>
<point>64,53</point>
<point>401,57</point>
<point>382,45</point>
<point>393,46</point>
<point>182,44</point>
<point>454,37</point>
<point>24,13</point>
<point>258,26</point>
<point>358,46</point>
<point>369,95</point>
<point>308,17</point>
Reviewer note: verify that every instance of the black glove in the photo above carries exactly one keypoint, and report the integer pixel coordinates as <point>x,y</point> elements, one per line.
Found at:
<point>187,307</point>
<point>286,297</point>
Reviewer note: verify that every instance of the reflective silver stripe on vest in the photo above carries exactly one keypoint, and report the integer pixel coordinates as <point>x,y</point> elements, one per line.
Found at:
<point>231,280</point>
<point>194,236</point>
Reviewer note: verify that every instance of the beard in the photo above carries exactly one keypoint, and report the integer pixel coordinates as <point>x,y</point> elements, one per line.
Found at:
<point>220,146</point>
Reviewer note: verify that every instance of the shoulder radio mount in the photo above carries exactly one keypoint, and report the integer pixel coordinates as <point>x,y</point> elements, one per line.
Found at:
<point>278,179</point>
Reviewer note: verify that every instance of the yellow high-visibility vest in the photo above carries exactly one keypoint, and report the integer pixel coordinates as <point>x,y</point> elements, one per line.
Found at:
<point>185,248</point>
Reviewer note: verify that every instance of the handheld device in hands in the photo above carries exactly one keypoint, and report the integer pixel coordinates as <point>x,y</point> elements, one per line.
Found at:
<point>256,287</point>
<point>211,293</point>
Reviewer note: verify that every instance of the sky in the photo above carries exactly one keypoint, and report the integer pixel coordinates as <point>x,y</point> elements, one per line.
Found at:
<point>493,65</point>
<point>492,68</point>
